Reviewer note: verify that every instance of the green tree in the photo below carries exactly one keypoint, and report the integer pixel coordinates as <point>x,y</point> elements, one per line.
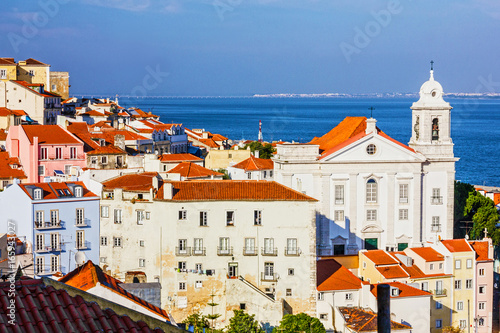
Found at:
<point>265,151</point>
<point>299,323</point>
<point>462,191</point>
<point>451,329</point>
<point>213,316</point>
<point>198,321</point>
<point>224,171</point>
<point>242,322</point>
<point>484,214</point>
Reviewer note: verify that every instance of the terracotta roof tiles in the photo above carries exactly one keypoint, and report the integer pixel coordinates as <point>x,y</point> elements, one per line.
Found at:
<point>359,320</point>
<point>457,245</point>
<point>179,158</point>
<point>346,129</point>
<point>392,272</point>
<point>140,182</point>
<point>333,276</point>
<point>49,134</point>
<point>428,253</point>
<point>481,249</point>
<point>404,290</point>
<point>253,164</point>
<point>380,257</point>
<point>10,167</point>
<point>192,170</point>
<point>50,189</point>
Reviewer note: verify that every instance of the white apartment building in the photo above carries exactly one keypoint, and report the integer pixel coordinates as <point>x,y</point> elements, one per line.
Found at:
<point>250,244</point>
<point>373,191</point>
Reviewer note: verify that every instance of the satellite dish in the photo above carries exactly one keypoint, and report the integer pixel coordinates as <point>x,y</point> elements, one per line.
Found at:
<point>80,258</point>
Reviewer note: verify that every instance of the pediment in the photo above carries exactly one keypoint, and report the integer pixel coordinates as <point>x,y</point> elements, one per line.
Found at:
<point>372,228</point>
<point>339,239</point>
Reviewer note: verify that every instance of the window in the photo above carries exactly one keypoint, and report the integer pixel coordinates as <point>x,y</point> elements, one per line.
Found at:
<point>44,154</point>
<point>78,191</point>
<point>72,153</point>
<point>463,323</point>
<point>269,246</point>
<point>93,160</point>
<point>54,242</point>
<point>182,246</point>
<point>118,216</point>
<point>371,191</point>
<point>436,198</point>
<point>142,262</point>
<point>181,265</point>
<point>321,296</point>
<point>403,193</point>
<point>103,260</point>
<point>230,217</point>
<point>371,215</point>
<point>224,245</point>
<point>425,286</point>
<point>468,284</point>
<point>439,305</point>
<point>288,292</point>
<point>435,226</point>
<point>250,247</point>
<point>203,219</point>
<point>198,246</point>
<point>323,316</point>
<point>481,306</point>
<point>458,284</point>
<point>80,220</point>
<point>339,194</point>
<point>439,323</point>
<point>41,170</point>
<point>117,242</point>
<point>481,272</point>
<point>291,246</point>
<point>440,265</point>
<point>348,296</point>
<point>435,129</point>
<point>269,270</point>
<point>104,241</point>
<point>198,284</point>
<point>39,265</point>
<point>480,322</point>
<point>291,271</point>
<point>104,211</point>
<point>31,72</point>
<point>257,217</point>
<point>182,285</point>
<point>469,263</point>
<point>458,264</point>
<point>460,305</point>
<point>371,149</point>
<point>265,174</point>
<point>232,269</point>
<point>403,214</point>
<point>54,217</point>
<point>40,242</point>
<point>3,74</point>
<point>482,289</point>
<point>141,243</point>
<point>104,160</point>
<point>182,215</point>
<point>270,173</point>
<point>39,218</point>
<point>80,239</point>
<point>431,267</point>
<point>58,153</point>
<point>339,215</point>
<point>141,216</point>
<point>198,267</point>
<point>249,175</point>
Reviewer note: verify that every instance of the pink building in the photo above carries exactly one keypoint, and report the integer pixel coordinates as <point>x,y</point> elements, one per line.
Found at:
<point>483,314</point>
<point>45,150</point>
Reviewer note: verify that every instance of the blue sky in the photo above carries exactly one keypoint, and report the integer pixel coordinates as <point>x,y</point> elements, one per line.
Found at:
<point>246,47</point>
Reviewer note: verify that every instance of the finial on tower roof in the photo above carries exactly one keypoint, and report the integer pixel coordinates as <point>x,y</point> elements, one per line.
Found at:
<point>432,71</point>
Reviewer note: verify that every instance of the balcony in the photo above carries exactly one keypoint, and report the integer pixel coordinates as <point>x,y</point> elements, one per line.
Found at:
<point>199,251</point>
<point>269,251</point>
<point>250,251</point>
<point>183,251</point>
<point>224,251</point>
<point>40,225</point>
<point>271,277</point>
<point>43,248</point>
<point>437,200</point>
<point>292,251</point>
<point>82,245</point>
<point>440,292</point>
<point>58,247</point>
<point>49,270</point>
<point>82,223</point>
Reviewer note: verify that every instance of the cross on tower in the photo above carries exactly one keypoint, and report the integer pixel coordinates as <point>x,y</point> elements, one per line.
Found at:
<point>371,108</point>
<point>432,65</point>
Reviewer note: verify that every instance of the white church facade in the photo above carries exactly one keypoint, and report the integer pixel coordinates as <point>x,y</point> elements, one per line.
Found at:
<point>373,191</point>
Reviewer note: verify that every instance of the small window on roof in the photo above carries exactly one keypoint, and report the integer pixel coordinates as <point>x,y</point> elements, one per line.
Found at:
<point>78,191</point>
<point>37,194</point>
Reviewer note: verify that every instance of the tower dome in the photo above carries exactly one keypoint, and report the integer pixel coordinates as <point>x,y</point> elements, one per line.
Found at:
<point>431,93</point>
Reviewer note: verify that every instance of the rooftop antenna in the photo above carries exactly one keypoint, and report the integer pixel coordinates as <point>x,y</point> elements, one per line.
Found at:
<point>371,108</point>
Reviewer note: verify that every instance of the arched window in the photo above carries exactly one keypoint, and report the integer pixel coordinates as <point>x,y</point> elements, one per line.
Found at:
<point>371,190</point>
<point>435,129</point>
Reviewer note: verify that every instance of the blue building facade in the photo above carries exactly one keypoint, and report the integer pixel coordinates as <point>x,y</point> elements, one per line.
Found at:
<point>57,219</point>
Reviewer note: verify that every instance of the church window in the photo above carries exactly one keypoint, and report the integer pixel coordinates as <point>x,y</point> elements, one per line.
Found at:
<point>371,215</point>
<point>371,191</point>
<point>339,194</point>
<point>403,193</point>
<point>435,129</point>
<point>371,149</point>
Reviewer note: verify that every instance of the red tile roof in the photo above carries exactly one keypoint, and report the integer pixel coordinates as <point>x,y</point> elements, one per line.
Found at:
<point>50,189</point>
<point>333,276</point>
<point>42,308</point>
<point>233,190</point>
<point>428,253</point>
<point>481,249</point>
<point>107,150</point>
<point>179,158</point>
<point>404,290</point>
<point>89,275</point>
<point>3,135</point>
<point>209,142</point>
<point>4,112</point>
<point>392,272</point>
<point>253,164</point>
<point>7,61</point>
<point>50,134</point>
<point>380,257</point>
<point>139,182</point>
<point>32,61</point>
<point>192,170</point>
<point>457,245</point>
<point>6,167</point>
<point>359,320</point>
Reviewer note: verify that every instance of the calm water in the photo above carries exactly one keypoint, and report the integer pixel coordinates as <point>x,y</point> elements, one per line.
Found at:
<point>475,122</point>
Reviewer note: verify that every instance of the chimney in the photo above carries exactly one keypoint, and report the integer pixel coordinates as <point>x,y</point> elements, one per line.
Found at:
<point>155,182</point>
<point>204,135</point>
<point>371,125</point>
<point>168,191</point>
<point>256,153</point>
<point>120,141</point>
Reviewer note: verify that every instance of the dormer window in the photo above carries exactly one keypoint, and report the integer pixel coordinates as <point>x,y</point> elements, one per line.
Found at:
<point>394,292</point>
<point>78,191</point>
<point>37,194</point>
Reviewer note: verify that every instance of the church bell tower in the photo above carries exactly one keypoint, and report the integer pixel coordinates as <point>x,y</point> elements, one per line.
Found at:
<point>431,122</point>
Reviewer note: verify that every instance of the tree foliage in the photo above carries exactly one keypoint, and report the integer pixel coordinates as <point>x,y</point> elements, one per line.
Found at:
<point>198,321</point>
<point>451,329</point>
<point>462,191</point>
<point>484,214</point>
<point>299,323</point>
<point>242,322</point>
<point>265,151</point>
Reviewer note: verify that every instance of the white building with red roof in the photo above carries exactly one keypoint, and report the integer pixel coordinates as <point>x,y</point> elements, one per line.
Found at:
<point>373,191</point>
<point>252,168</point>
